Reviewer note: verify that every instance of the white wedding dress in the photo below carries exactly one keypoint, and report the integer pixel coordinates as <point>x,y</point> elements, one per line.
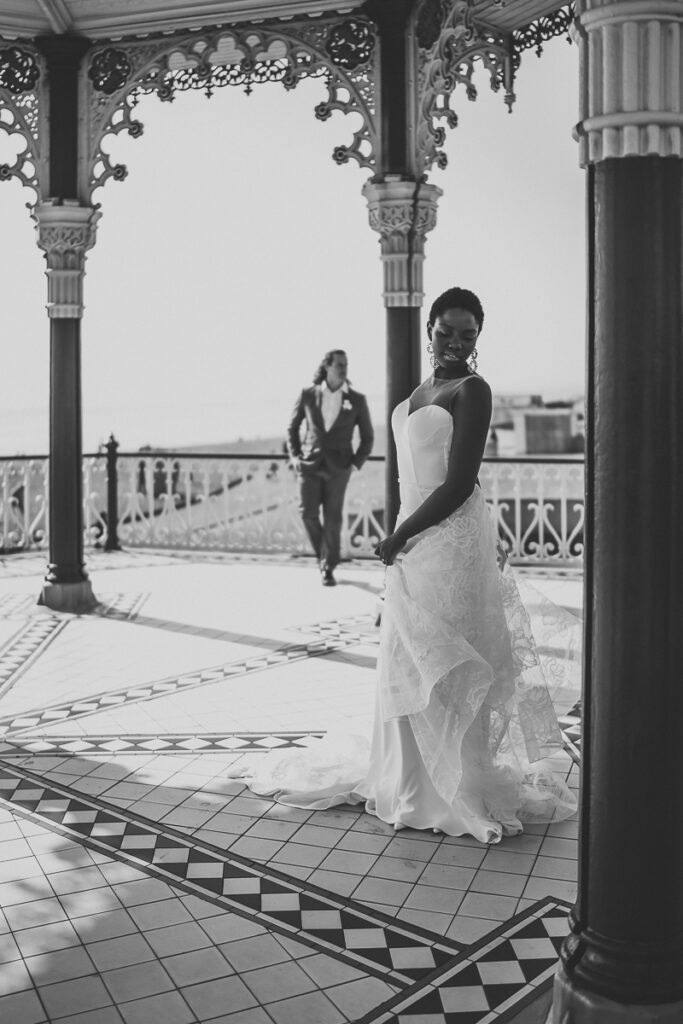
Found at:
<point>464,720</point>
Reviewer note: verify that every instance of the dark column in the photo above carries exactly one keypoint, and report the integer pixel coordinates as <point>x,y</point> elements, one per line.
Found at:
<point>628,941</point>
<point>65,232</point>
<point>397,165</point>
<point>623,961</point>
<point>404,330</point>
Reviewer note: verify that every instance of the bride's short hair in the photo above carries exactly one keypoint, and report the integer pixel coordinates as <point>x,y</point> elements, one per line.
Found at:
<point>457,298</point>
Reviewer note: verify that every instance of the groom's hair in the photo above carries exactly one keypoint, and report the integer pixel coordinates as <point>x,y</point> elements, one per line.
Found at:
<point>321,373</point>
<point>457,298</point>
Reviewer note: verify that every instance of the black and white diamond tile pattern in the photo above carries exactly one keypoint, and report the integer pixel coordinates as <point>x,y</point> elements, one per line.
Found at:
<point>185,743</point>
<point>571,727</point>
<point>41,717</point>
<point>26,646</point>
<point>506,968</point>
<point>352,932</point>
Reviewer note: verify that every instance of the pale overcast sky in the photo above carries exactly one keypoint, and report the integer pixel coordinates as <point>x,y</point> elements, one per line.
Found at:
<point>236,253</point>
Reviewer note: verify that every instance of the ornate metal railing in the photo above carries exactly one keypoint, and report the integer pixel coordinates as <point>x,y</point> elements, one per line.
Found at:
<point>249,503</point>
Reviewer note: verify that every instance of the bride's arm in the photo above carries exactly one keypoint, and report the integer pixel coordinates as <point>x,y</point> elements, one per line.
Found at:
<point>471,410</point>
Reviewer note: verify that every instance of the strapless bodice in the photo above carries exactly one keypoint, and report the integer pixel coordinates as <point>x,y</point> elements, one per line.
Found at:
<point>423,441</point>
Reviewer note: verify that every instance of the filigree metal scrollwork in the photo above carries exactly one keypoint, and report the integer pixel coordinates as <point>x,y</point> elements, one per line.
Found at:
<point>20,70</point>
<point>109,70</point>
<point>461,43</point>
<point>540,31</point>
<point>343,54</point>
<point>350,44</point>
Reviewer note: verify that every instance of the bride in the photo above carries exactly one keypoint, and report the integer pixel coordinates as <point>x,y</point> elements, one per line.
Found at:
<point>464,722</point>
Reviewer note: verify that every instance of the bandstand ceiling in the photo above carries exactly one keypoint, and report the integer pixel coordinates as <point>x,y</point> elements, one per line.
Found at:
<point>110,19</point>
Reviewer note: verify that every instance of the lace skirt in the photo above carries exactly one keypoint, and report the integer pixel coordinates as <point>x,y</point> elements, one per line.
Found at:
<point>464,718</point>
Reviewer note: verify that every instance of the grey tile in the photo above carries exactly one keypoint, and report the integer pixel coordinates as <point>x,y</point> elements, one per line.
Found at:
<point>65,997</point>
<point>22,1008</point>
<point>108,925</point>
<point>356,998</point>
<point>311,1008</point>
<point>137,981</point>
<point>345,860</point>
<point>278,981</point>
<point>60,965</point>
<point>210,999</point>
<point>436,898</point>
<point>485,905</point>
<point>383,890</point>
<point>197,966</point>
<point>252,953</point>
<point>123,951</point>
<point>167,1007</point>
<point>47,938</point>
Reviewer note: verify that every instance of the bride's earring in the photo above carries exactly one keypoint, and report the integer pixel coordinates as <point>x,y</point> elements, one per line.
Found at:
<point>432,357</point>
<point>473,361</point>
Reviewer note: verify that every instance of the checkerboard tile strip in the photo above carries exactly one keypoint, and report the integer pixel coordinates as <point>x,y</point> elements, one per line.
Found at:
<point>184,743</point>
<point>41,717</point>
<point>27,646</point>
<point>570,726</point>
<point>352,932</point>
<point>489,979</point>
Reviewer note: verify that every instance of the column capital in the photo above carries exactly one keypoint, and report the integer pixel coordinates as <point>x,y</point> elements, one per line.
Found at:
<point>65,231</point>
<point>402,212</point>
<point>631,55</point>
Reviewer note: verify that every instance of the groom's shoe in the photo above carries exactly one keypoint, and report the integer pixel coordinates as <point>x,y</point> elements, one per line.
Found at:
<point>327,578</point>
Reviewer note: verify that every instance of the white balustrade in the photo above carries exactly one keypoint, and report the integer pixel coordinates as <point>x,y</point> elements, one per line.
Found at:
<point>250,504</point>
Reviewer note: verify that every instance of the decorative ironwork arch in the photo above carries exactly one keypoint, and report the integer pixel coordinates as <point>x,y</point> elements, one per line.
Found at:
<point>342,52</point>
<point>21,114</point>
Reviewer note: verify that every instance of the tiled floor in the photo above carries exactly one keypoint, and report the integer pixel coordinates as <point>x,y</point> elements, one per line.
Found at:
<point>140,882</point>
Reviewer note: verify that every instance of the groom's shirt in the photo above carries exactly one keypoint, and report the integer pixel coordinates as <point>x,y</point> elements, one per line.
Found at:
<point>331,402</point>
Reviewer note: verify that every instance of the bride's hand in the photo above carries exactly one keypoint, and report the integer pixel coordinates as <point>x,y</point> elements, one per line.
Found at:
<point>388,548</point>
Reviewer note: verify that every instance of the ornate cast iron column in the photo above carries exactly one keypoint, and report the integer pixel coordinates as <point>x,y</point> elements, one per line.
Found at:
<point>393,196</point>
<point>402,212</point>
<point>66,230</point>
<point>624,958</point>
<point>426,47</point>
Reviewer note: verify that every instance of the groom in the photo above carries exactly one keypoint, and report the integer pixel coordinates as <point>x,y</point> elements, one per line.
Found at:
<point>325,459</point>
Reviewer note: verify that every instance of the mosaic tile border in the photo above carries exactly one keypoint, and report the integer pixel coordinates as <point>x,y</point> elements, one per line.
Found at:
<point>26,646</point>
<point>354,933</point>
<point>31,720</point>
<point>511,965</point>
<point>154,743</point>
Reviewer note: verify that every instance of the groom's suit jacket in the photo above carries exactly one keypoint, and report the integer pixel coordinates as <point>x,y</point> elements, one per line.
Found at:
<point>329,451</point>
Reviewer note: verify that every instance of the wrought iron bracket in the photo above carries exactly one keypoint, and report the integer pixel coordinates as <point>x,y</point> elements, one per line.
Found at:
<point>450,44</point>
<point>22,115</point>
<point>342,52</point>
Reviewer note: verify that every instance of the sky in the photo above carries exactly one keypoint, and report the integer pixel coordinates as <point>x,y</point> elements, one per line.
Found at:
<point>237,252</point>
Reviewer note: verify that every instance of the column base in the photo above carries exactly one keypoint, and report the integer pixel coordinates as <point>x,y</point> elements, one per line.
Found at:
<point>574,1006</point>
<point>76,598</point>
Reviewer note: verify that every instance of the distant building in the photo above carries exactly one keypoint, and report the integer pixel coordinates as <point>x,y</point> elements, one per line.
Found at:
<point>526,425</point>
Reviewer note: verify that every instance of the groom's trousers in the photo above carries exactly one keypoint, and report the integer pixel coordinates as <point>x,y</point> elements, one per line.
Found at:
<point>323,492</point>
